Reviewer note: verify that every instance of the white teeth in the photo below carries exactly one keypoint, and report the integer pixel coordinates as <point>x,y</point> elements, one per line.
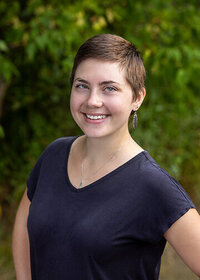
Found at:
<point>96,117</point>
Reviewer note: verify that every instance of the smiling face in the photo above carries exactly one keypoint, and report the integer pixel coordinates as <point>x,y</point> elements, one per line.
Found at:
<point>101,99</point>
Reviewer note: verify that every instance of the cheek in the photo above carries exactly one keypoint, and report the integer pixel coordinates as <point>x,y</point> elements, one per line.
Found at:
<point>73,105</point>
<point>121,107</point>
<point>74,101</point>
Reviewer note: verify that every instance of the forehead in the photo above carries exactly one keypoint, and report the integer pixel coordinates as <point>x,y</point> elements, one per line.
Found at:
<point>98,70</point>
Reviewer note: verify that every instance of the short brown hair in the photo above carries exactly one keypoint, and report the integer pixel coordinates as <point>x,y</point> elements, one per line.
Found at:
<point>110,47</point>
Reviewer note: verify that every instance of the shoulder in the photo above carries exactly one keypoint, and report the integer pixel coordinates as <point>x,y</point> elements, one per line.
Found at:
<point>55,149</point>
<point>61,141</point>
<point>153,173</point>
<point>50,158</point>
<point>58,144</point>
<point>157,181</point>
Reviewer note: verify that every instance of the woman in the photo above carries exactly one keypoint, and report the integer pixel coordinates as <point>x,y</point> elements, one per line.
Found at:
<point>100,206</point>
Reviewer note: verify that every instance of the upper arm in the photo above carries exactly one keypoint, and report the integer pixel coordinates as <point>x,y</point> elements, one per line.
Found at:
<point>184,236</point>
<point>23,210</point>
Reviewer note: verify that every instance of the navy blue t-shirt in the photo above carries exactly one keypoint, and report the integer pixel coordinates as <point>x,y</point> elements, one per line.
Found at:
<point>111,229</point>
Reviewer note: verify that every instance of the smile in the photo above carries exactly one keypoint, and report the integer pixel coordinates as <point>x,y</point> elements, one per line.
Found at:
<point>99,117</point>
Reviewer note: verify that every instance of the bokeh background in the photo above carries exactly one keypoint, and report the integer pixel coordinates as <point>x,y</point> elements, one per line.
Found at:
<point>38,41</point>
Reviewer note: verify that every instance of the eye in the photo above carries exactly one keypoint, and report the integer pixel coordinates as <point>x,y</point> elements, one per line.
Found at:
<point>81,86</point>
<point>110,89</point>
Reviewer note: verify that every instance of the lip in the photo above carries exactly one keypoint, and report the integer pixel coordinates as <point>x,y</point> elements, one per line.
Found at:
<point>95,114</point>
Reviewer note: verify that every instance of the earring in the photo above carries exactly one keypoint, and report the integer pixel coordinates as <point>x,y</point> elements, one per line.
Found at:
<point>135,119</point>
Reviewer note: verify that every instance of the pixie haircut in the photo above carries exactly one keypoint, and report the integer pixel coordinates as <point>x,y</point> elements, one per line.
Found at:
<point>113,48</point>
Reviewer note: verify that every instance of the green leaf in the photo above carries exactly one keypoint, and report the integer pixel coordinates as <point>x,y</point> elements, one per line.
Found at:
<point>2,134</point>
<point>3,46</point>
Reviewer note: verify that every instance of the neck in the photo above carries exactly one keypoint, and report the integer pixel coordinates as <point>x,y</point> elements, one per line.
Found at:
<point>98,149</point>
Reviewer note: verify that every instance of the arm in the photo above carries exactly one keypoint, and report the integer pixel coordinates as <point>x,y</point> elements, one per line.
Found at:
<point>20,241</point>
<point>184,236</point>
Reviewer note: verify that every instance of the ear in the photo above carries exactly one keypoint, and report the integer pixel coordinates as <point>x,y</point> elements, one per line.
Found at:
<point>138,102</point>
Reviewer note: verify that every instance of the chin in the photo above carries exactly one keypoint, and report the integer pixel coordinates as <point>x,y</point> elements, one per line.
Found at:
<point>94,135</point>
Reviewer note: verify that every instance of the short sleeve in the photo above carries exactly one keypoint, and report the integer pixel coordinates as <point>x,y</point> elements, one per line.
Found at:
<point>33,177</point>
<point>165,202</point>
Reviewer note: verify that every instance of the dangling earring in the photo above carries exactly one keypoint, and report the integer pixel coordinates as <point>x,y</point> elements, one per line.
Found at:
<point>135,119</point>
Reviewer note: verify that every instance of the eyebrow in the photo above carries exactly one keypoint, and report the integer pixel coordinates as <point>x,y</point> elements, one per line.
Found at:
<point>102,83</point>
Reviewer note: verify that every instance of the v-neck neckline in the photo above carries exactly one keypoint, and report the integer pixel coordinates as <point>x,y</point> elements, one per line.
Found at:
<point>111,173</point>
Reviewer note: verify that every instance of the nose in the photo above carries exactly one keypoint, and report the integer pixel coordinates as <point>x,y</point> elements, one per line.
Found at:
<point>94,99</point>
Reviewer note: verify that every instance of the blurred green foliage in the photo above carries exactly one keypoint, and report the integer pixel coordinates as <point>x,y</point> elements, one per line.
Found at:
<point>38,42</point>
